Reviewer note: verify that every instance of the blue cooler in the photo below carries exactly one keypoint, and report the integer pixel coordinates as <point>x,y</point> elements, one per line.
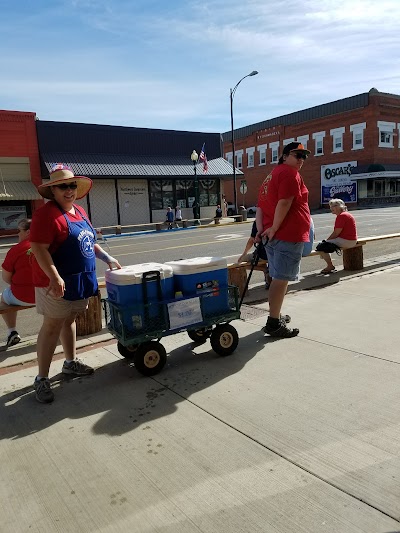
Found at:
<point>125,288</point>
<point>203,276</point>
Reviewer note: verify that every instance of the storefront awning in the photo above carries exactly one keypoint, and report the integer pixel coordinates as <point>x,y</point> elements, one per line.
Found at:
<point>18,190</point>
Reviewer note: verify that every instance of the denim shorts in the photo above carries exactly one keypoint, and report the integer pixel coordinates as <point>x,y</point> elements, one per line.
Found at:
<point>10,299</point>
<point>284,259</point>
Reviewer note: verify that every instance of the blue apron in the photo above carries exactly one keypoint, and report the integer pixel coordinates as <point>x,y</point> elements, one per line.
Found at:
<point>75,259</point>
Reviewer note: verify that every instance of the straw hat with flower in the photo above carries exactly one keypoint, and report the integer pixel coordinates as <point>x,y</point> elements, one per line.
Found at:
<point>61,173</point>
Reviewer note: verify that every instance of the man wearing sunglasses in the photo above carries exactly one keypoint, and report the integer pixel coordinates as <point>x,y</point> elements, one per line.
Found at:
<point>283,219</point>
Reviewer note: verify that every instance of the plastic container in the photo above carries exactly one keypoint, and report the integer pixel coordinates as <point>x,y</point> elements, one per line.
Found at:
<point>203,276</point>
<point>126,289</point>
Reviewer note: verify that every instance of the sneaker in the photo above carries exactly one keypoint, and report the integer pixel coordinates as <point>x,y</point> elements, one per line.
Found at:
<point>13,339</point>
<point>77,368</point>
<point>282,331</point>
<point>44,394</point>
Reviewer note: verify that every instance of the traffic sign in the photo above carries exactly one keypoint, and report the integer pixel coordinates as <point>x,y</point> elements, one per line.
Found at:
<point>243,187</point>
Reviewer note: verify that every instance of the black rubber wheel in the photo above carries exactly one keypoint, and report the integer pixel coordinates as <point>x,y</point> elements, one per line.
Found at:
<point>127,351</point>
<point>224,339</point>
<point>199,335</point>
<point>150,358</point>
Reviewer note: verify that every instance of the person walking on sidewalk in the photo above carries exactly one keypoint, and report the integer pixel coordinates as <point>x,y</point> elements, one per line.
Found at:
<point>283,217</point>
<point>17,272</point>
<point>64,271</point>
<point>170,218</point>
<point>343,235</point>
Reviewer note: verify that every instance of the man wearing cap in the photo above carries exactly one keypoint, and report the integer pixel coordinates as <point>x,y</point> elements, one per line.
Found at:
<point>283,217</point>
<point>63,270</point>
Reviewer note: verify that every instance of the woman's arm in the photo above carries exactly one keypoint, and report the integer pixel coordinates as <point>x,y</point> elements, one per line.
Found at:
<point>42,255</point>
<point>335,233</point>
<point>7,276</point>
<point>104,256</point>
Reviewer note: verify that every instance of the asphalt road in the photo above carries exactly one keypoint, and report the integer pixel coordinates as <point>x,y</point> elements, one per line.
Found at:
<point>227,240</point>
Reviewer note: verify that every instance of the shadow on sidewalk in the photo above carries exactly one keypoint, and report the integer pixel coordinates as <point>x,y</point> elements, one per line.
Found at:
<point>122,399</point>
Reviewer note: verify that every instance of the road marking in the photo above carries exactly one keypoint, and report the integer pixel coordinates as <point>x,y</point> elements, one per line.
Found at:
<point>228,236</point>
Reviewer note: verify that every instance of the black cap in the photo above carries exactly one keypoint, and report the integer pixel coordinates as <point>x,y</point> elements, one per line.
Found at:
<point>295,147</point>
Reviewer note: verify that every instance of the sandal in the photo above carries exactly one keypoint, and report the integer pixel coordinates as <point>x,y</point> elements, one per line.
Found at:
<point>328,271</point>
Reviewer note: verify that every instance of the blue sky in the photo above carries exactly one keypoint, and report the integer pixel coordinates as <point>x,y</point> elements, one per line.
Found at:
<point>170,64</point>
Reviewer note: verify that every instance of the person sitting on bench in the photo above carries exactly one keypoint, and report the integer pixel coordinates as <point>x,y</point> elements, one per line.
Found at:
<point>262,254</point>
<point>344,234</point>
<point>17,272</point>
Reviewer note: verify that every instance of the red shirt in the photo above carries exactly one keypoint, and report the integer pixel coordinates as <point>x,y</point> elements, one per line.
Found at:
<point>50,227</point>
<point>347,222</point>
<point>18,262</point>
<point>285,182</point>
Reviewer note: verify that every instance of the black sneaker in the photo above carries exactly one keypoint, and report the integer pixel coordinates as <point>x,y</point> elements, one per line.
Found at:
<point>77,368</point>
<point>13,339</point>
<point>44,394</point>
<point>282,331</point>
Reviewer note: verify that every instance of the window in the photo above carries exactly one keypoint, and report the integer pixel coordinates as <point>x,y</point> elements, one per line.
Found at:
<point>386,134</point>
<point>287,141</point>
<point>319,142</point>
<point>168,193</point>
<point>228,157</point>
<point>250,156</point>
<point>303,139</point>
<point>358,135</point>
<point>274,151</point>
<point>239,158</point>
<point>337,137</point>
<point>262,149</point>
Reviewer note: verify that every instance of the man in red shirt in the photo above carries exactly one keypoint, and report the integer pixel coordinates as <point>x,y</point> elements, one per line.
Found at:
<point>17,272</point>
<point>283,217</point>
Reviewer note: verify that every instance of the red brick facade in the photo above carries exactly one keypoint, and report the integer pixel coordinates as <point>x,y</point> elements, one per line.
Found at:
<point>381,107</point>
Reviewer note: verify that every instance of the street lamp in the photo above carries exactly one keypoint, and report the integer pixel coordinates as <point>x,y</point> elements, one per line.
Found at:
<point>196,208</point>
<point>253,73</point>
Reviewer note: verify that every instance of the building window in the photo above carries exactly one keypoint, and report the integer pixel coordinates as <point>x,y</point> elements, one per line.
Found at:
<point>262,149</point>
<point>337,138</point>
<point>274,151</point>
<point>287,141</point>
<point>319,142</point>
<point>358,135</point>
<point>250,156</point>
<point>168,193</point>
<point>228,157</point>
<point>239,158</point>
<point>386,134</point>
<point>303,139</point>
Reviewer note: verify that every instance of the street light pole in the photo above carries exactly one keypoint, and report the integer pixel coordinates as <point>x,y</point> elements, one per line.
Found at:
<point>196,211</point>
<point>232,94</point>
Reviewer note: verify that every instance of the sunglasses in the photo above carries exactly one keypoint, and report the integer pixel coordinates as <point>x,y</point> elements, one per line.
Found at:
<point>65,186</point>
<point>298,155</point>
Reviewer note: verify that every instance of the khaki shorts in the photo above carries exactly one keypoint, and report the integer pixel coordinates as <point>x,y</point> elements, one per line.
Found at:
<point>57,307</point>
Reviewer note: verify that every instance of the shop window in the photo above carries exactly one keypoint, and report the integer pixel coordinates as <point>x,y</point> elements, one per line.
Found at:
<point>184,190</point>
<point>362,188</point>
<point>319,142</point>
<point>167,193</point>
<point>358,135</point>
<point>379,188</point>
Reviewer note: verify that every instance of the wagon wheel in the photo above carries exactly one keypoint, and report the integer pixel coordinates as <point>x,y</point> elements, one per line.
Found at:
<point>224,339</point>
<point>200,335</point>
<point>127,351</point>
<point>150,358</point>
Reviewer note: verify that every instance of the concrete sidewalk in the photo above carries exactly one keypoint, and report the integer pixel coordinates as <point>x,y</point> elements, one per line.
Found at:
<point>291,435</point>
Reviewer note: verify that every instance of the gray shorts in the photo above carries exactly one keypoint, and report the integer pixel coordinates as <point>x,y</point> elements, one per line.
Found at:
<point>284,259</point>
<point>51,307</point>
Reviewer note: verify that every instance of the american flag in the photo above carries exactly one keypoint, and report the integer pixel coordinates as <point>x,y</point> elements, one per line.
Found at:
<point>203,158</point>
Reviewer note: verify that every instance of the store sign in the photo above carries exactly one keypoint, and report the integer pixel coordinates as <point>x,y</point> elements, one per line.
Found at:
<point>336,182</point>
<point>10,216</point>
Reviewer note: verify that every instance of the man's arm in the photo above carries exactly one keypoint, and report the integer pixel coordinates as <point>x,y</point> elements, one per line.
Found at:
<point>6,276</point>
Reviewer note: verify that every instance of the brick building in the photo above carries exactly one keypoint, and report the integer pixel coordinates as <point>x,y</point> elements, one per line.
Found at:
<point>354,143</point>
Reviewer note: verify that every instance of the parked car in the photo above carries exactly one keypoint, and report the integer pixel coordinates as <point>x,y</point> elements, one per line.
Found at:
<point>252,210</point>
<point>230,210</point>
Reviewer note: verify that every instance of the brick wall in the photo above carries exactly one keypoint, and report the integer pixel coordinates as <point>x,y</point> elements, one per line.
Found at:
<point>380,108</point>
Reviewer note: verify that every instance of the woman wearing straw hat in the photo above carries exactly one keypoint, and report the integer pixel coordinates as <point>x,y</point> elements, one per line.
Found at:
<point>64,271</point>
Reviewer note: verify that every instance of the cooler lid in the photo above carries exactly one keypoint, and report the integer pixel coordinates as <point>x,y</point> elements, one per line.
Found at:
<point>133,274</point>
<point>197,264</point>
